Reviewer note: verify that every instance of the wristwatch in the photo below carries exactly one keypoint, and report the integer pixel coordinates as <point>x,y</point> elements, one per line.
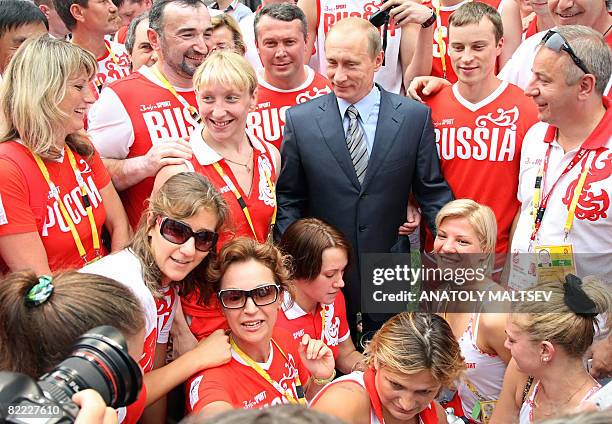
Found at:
<point>429,22</point>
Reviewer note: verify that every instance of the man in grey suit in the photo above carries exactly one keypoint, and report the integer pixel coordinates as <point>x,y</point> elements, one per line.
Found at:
<point>352,157</point>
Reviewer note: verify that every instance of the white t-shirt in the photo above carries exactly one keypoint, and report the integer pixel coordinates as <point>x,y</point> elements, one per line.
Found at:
<point>125,268</point>
<point>592,225</point>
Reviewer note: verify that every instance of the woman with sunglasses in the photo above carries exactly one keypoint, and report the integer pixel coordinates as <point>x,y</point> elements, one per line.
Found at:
<point>267,367</point>
<point>319,253</point>
<point>169,252</point>
<point>242,167</point>
<point>408,361</point>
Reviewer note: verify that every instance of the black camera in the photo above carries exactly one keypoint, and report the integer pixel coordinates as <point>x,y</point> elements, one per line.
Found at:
<point>99,361</point>
<point>379,18</point>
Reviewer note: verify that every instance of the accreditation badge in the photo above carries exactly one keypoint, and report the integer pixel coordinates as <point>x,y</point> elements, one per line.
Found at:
<point>554,262</point>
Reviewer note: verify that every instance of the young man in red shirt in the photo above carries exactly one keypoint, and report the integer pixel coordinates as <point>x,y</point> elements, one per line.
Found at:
<point>480,121</point>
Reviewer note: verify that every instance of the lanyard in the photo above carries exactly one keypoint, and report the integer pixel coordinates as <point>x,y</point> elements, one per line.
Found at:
<point>440,39</point>
<point>541,202</point>
<point>97,82</point>
<point>255,366</point>
<point>323,316</point>
<point>192,110</point>
<point>241,201</point>
<point>111,53</point>
<point>84,198</point>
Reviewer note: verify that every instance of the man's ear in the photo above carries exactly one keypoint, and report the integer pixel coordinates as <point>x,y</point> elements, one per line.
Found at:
<point>45,10</point>
<point>378,60</point>
<point>76,11</point>
<point>153,37</point>
<point>586,86</point>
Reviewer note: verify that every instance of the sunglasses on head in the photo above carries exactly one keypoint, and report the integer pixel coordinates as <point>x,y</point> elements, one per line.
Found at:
<point>556,42</point>
<point>178,233</point>
<point>261,296</point>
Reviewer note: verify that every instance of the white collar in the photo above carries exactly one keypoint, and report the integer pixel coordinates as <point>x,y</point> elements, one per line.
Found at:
<point>265,365</point>
<point>205,155</point>
<point>291,308</point>
<point>310,74</point>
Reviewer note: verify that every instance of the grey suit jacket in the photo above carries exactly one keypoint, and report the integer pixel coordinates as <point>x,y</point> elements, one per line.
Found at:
<point>317,177</point>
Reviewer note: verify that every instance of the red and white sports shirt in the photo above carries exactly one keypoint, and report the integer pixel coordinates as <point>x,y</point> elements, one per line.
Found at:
<point>479,146</point>
<point>592,225</point>
<point>113,65</point>
<point>131,116</point>
<point>298,322</point>
<point>241,386</point>
<point>18,215</point>
<point>267,121</point>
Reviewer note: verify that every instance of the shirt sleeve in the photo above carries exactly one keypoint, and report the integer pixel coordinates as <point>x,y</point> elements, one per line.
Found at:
<point>110,126</point>
<point>207,388</point>
<point>16,215</point>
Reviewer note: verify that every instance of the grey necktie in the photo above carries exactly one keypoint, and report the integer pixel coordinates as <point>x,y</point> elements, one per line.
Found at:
<point>355,141</point>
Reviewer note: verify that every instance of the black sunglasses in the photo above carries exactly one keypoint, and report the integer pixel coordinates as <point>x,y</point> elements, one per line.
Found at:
<point>261,296</point>
<point>556,42</point>
<point>178,233</point>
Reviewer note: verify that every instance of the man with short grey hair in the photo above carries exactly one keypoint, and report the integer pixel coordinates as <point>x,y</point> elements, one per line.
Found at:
<point>137,43</point>
<point>565,178</point>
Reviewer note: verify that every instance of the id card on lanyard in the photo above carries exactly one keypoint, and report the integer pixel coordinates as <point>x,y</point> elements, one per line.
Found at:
<point>553,262</point>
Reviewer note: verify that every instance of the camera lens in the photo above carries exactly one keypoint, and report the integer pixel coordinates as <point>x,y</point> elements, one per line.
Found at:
<point>99,361</point>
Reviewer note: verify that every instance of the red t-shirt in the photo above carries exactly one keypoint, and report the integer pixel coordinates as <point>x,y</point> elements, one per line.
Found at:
<point>267,121</point>
<point>124,125</point>
<point>441,26</point>
<point>18,215</point>
<point>297,322</point>
<point>479,146</point>
<point>204,319</point>
<point>241,386</point>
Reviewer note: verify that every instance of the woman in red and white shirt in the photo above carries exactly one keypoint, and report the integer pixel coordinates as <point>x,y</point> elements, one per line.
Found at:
<point>409,360</point>
<point>267,367</point>
<point>319,253</point>
<point>55,195</point>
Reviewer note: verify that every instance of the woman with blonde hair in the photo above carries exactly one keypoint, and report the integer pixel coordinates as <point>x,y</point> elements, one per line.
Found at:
<point>267,367</point>
<point>56,196</point>
<point>168,255</point>
<point>226,34</point>
<point>241,166</point>
<point>548,340</point>
<point>465,239</point>
<point>408,361</point>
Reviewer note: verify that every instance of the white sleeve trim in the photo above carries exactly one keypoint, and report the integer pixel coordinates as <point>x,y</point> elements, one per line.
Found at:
<point>110,126</point>
<point>345,337</point>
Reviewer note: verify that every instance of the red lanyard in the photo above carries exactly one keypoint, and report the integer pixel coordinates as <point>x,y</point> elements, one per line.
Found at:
<point>539,205</point>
